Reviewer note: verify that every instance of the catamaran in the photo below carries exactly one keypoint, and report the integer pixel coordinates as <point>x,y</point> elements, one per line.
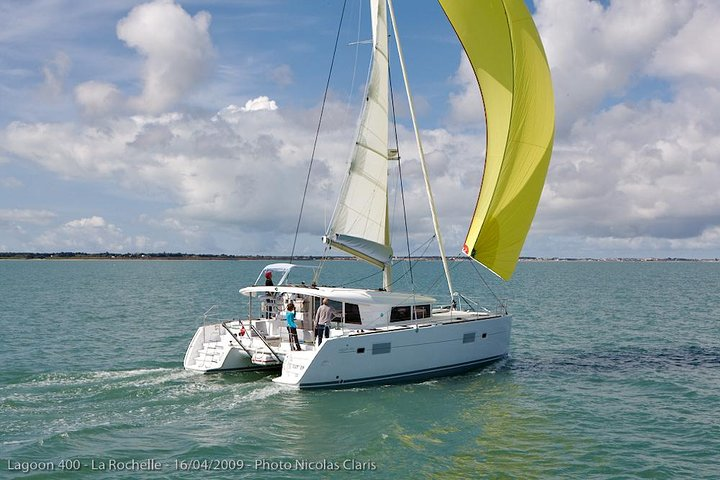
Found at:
<point>384,336</point>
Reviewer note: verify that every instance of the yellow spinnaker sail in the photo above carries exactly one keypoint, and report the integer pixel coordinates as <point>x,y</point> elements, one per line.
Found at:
<point>507,56</point>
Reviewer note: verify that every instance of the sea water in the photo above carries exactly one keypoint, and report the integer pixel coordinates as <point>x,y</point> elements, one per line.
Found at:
<point>614,372</point>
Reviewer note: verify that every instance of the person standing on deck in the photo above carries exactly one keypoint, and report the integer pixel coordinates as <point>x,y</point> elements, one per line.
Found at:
<point>292,326</point>
<point>323,317</point>
<point>269,305</point>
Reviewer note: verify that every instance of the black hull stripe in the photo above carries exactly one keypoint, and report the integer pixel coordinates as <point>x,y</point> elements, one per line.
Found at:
<point>254,368</point>
<point>405,376</point>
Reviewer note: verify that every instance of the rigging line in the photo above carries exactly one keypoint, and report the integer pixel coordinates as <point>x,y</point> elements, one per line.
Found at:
<point>323,260</point>
<point>427,244</point>
<point>355,63</point>
<point>439,277</point>
<point>317,132</point>
<point>402,190</point>
<point>374,274</point>
<point>472,262</point>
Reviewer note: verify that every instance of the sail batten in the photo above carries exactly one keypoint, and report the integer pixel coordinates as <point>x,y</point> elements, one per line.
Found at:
<point>505,51</point>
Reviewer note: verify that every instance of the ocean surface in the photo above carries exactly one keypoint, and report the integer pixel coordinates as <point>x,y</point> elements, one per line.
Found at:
<point>614,372</point>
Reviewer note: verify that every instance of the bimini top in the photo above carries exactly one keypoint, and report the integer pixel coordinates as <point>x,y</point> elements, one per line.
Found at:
<point>281,270</point>
<point>348,295</point>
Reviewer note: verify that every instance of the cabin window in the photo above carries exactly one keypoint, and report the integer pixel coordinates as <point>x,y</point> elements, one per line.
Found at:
<point>352,313</point>
<point>404,314</point>
<point>337,309</point>
<point>400,314</point>
<point>422,311</point>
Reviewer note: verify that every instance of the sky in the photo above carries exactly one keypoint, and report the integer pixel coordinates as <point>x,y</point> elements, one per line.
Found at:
<point>188,126</point>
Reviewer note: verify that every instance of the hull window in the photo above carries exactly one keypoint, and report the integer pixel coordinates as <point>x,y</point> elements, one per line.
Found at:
<point>379,348</point>
<point>469,337</point>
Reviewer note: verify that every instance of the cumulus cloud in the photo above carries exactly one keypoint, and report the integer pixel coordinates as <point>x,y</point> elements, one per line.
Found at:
<point>694,50</point>
<point>596,52</point>
<point>71,150</point>
<point>98,98</point>
<point>636,174</point>
<point>642,170</point>
<point>85,234</point>
<point>259,103</point>
<point>177,48</point>
<point>231,167</point>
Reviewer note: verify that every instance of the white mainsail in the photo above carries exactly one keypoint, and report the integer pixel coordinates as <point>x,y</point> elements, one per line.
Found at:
<point>359,225</point>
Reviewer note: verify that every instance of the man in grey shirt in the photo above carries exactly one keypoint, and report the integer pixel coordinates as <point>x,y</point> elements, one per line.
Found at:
<point>323,317</point>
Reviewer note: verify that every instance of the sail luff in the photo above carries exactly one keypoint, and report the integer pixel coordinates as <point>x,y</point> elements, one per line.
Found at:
<point>504,48</point>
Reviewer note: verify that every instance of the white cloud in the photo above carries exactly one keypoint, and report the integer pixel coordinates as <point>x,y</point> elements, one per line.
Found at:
<point>466,107</point>
<point>92,234</point>
<point>98,98</point>
<point>259,103</point>
<point>640,175</point>
<point>24,215</point>
<point>177,48</point>
<point>596,52</point>
<point>694,51</point>
<point>231,168</point>
<point>83,223</point>
<point>71,150</point>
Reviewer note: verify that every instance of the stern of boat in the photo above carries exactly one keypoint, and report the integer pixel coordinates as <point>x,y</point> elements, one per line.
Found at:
<point>215,348</point>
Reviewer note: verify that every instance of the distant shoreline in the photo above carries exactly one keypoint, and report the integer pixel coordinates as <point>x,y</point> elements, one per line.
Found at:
<point>281,258</point>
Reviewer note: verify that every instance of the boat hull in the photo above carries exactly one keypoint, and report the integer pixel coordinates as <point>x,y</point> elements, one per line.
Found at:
<point>400,355</point>
<point>216,349</point>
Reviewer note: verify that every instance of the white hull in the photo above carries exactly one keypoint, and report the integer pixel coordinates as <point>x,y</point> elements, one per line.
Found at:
<point>219,347</point>
<point>400,354</point>
<point>375,337</point>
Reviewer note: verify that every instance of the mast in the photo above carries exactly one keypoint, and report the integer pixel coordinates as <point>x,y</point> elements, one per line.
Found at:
<point>421,153</point>
<point>387,270</point>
